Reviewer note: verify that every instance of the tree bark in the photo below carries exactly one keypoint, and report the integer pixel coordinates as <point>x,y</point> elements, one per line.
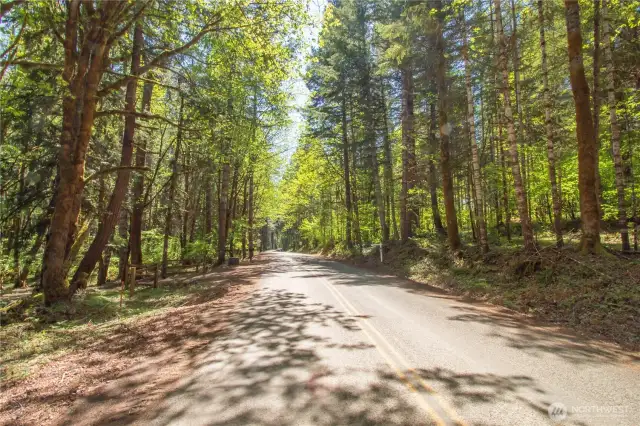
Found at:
<point>615,130</point>
<point>110,217</point>
<point>407,212</point>
<point>433,179</point>
<point>251,215</point>
<point>445,130</point>
<point>388,167</point>
<point>475,158</point>
<point>596,97</point>
<point>187,203</point>
<point>83,70</point>
<point>551,157</point>
<point>172,190</point>
<point>521,196</point>
<point>587,149</point>
<point>222,212</point>
<point>354,183</point>
<point>135,234</point>
<point>518,102</point>
<point>375,170</point>
<point>347,174</point>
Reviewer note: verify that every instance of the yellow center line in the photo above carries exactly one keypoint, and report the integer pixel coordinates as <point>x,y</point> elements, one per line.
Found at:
<point>419,398</point>
<point>441,402</point>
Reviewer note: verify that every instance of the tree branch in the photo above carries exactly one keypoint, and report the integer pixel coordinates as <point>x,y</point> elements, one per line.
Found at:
<point>6,7</point>
<point>30,64</point>
<point>16,40</point>
<point>115,169</point>
<point>161,58</point>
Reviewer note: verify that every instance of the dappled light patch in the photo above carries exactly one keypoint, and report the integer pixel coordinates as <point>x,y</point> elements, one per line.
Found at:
<point>599,296</point>
<point>148,349</point>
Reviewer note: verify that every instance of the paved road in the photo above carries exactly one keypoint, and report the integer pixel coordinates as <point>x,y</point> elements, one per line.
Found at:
<point>324,343</point>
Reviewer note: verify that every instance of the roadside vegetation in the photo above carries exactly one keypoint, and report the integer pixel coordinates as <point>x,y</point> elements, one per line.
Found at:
<point>33,335</point>
<point>598,297</point>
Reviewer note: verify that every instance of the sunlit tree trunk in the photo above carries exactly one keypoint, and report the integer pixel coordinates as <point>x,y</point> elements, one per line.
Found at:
<point>354,183</point>
<point>110,217</point>
<point>187,203</point>
<point>388,167</point>
<point>433,178</point>
<point>82,71</point>
<point>208,202</point>
<point>223,211</point>
<point>475,158</point>
<point>408,217</point>
<point>615,129</point>
<point>347,174</point>
<point>521,196</point>
<point>445,130</point>
<point>587,157</point>
<point>250,207</point>
<point>596,97</point>
<point>168,223</point>
<point>551,156</point>
<point>135,233</point>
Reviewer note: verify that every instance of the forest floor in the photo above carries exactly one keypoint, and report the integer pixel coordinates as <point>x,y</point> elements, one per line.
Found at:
<point>596,296</point>
<point>46,366</point>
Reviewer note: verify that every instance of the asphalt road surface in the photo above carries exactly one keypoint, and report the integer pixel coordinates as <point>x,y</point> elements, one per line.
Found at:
<point>323,343</point>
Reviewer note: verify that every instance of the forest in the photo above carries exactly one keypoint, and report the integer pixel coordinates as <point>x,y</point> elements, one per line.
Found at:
<point>484,123</point>
<point>149,133</point>
<point>137,133</point>
<point>181,174</point>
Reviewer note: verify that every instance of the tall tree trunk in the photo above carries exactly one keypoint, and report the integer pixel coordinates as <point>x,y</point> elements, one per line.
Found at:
<point>110,217</point>
<point>470,203</point>
<point>17,231</point>
<point>505,192</point>
<point>615,129</point>
<point>251,215</point>
<point>433,179</point>
<point>375,171</point>
<point>231,205</point>
<point>518,100</point>
<point>475,158</point>
<point>188,201</point>
<point>168,223</point>
<point>208,200</point>
<point>83,70</point>
<point>135,235</point>
<point>596,97</point>
<point>123,250</point>
<point>195,209</point>
<point>407,212</point>
<point>223,211</point>
<point>551,157</point>
<point>354,183</point>
<point>388,167</point>
<point>347,174</point>
<point>587,148</point>
<point>521,196</point>
<point>445,130</point>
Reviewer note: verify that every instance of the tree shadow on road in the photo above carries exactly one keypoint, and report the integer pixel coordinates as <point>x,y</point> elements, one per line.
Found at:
<point>263,364</point>
<point>534,337</point>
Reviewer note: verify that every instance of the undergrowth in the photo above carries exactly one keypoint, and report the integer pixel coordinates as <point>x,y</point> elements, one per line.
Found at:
<point>596,295</point>
<point>32,335</point>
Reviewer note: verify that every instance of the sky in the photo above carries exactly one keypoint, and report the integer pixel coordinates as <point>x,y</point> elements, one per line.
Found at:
<point>296,85</point>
